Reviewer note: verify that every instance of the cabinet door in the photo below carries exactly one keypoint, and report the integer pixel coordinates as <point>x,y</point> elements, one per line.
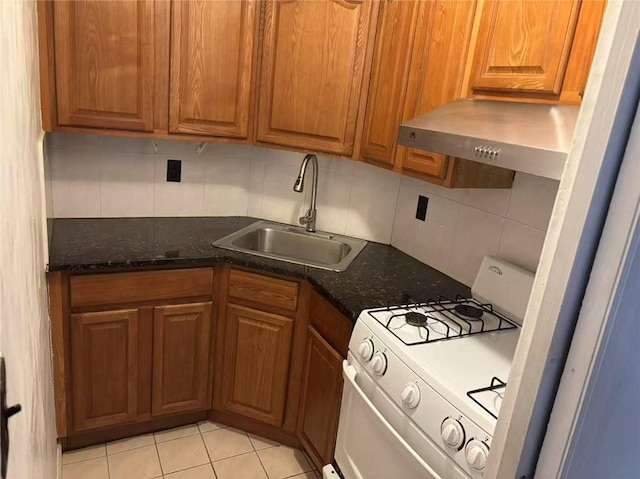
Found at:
<point>212,52</point>
<point>181,346</point>
<point>313,58</point>
<point>320,399</point>
<point>437,69</point>
<point>389,76</point>
<point>104,53</point>
<point>256,363</point>
<point>524,45</point>
<point>104,368</point>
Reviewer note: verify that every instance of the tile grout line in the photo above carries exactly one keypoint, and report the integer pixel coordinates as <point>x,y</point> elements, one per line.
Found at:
<point>107,457</point>
<point>260,461</point>
<point>155,444</point>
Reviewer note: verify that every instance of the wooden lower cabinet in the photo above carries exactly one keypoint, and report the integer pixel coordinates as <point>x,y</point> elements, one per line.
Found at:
<point>144,359</point>
<point>256,363</point>
<point>181,348</point>
<point>320,399</point>
<point>128,366</point>
<point>104,368</point>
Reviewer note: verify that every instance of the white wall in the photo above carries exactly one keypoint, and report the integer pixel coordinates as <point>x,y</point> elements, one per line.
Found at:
<point>463,225</point>
<point>96,176</point>
<point>24,326</point>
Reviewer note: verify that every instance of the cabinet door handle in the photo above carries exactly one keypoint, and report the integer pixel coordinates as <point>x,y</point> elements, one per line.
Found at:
<point>5,414</point>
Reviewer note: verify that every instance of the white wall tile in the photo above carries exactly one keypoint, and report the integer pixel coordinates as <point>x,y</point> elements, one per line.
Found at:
<point>284,159</point>
<point>405,225</point>
<point>335,166</point>
<point>532,200</point>
<point>126,145</point>
<point>127,181</point>
<point>46,156</point>
<point>279,201</point>
<point>333,195</point>
<point>180,199</point>
<point>490,200</point>
<point>521,245</point>
<point>256,188</point>
<point>435,236</point>
<point>174,147</point>
<point>227,183</point>
<point>372,204</point>
<point>477,234</point>
<point>454,194</point>
<point>73,141</point>
<point>233,150</point>
<point>75,177</point>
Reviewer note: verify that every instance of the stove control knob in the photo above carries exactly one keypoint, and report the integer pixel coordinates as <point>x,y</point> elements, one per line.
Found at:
<point>379,363</point>
<point>365,350</point>
<point>477,453</point>
<point>410,395</point>
<point>452,433</point>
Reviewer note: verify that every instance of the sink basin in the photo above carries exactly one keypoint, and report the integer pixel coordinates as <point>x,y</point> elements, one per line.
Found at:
<point>294,245</point>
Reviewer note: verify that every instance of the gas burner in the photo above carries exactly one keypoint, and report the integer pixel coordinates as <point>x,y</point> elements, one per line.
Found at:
<point>468,312</point>
<point>415,319</point>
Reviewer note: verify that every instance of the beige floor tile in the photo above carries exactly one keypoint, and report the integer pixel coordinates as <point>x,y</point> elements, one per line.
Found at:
<point>206,426</point>
<point>182,453</point>
<point>261,442</point>
<point>141,463</point>
<point>89,469</point>
<point>199,472</point>
<point>305,475</point>
<point>244,466</point>
<point>83,454</point>
<point>176,433</point>
<point>225,443</point>
<point>283,461</point>
<point>130,443</point>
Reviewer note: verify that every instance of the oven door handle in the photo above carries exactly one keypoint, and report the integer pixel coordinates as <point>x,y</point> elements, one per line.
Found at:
<point>350,372</point>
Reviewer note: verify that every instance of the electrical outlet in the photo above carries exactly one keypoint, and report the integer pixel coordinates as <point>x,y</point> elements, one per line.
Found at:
<point>421,210</point>
<point>174,170</point>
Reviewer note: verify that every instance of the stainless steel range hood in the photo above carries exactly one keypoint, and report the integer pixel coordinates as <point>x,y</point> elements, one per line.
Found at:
<point>533,138</point>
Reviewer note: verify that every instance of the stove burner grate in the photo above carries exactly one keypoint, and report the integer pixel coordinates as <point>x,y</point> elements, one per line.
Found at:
<point>449,319</point>
<point>496,385</point>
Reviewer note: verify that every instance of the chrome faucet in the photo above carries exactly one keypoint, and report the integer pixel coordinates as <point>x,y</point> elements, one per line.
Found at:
<point>309,218</point>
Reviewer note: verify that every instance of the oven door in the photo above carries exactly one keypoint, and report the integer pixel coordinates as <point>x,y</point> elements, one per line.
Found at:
<point>368,447</point>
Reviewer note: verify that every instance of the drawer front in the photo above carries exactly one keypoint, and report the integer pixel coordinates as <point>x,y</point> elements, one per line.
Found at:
<point>263,289</point>
<point>102,289</point>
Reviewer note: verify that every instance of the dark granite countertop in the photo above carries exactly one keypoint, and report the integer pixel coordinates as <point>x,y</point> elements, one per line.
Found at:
<point>379,276</point>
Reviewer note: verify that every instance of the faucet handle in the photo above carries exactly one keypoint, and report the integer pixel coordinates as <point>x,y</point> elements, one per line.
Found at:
<point>306,218</point>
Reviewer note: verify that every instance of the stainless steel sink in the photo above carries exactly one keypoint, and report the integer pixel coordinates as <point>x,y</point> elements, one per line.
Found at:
<point>294,245</point>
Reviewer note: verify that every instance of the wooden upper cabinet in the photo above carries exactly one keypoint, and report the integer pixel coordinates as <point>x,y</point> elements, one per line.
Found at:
<point>524,46</point>
<point>104,368</point>
<point>104,63</point>
<point>212,58</point>
<point>181,346</point>
<point>388,84</point>
<point>313,62</point>
<point>256,363</point>
<point>438,62</point>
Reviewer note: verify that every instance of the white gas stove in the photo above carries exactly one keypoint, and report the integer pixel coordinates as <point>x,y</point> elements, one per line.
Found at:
<point>424,382</point>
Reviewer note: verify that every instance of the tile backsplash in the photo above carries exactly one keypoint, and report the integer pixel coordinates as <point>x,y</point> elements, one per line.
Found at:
<point>101,176</point>
<point>463,225</point>
<point>94,176</point>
